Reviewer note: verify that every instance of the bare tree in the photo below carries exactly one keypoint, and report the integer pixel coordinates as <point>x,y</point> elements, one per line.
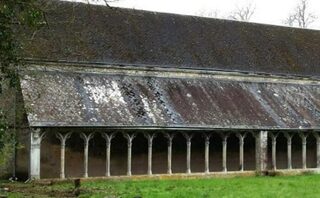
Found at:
<point>243,13</point>
<point>301,17</point>
<point>208,13</point>
<point>105,2</point>
<point>109,1</point>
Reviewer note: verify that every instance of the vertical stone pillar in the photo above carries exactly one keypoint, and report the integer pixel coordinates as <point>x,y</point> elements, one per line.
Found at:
<point>108,138</point>
<point>129,141</point>
<point>206,152</point>
<point>317,136</point>
<point>150,138</point>
<point>35,153</point>
<point>170,138</point>
<point>63,139</point>
<point>241,150</point>
<point>261,151</point>
<point>304,149</point>
<point>274,150</point>
<point>289,150</point>
<point>86,139</point>
<point>188,139</point>
<point>224,151</point>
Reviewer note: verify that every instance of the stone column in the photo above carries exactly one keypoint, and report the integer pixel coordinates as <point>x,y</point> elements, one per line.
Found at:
<point>35,153</point>
<point>241,150</point>
<point>224,151</point>
<point>170,138</point>
<point>188,139</point>
<point>304,149</point>
<point>261,151</point>
<point>129,141</point>
<point>150,138</point>
<point>63,138</point>
<point>206,152</point>
<point>274,150</point>
<point>317,136</point>
<point>108,138</point>
<point>289,152</point>
<point>86,139</point>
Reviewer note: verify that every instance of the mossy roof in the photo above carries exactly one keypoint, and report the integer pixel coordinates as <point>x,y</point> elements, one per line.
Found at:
<point>60,98</point>
<point>78,32</point>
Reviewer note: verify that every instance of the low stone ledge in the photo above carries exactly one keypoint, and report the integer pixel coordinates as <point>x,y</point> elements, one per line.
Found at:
<point>292,172</point>
<point>176,176</point>
<point>229,174</point>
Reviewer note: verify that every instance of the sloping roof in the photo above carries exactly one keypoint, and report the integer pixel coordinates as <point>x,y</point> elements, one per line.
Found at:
<point>78,32</point>
<point>120,99</point>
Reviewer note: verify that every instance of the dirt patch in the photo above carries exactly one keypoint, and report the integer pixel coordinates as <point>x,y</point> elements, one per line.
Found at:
<point>42,190</point>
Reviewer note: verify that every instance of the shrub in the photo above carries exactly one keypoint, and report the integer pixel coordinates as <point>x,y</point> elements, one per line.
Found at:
<point>7,144</point>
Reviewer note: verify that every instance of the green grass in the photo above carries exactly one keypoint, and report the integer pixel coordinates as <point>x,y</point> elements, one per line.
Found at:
<point>290,186</point>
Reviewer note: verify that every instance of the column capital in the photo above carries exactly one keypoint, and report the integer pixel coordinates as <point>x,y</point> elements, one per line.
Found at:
<point>36,130</point>
<point>207,136</point>
<point>63,137</point>
<point>303,137</point>
<point>273,135</point>
<point>108,136</point>
<point>169,136</point>
<point>150,137</point>
<point>288,135</point>
<point>241,135</point>
<point>224,136</point>
<point>316,134</point>
<point>207,141</point>
<point>129,138</point>
<point>37,135</point>
<point>188,136</point>
<point>86,138</point>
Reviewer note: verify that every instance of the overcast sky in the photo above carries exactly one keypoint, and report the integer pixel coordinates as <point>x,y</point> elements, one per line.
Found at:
<point>266,11</point>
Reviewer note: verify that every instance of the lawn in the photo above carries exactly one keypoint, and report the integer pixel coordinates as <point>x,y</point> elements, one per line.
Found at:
<point>280,186</point>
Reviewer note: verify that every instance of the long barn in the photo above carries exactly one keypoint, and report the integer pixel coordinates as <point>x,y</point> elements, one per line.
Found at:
<point>111,92</point>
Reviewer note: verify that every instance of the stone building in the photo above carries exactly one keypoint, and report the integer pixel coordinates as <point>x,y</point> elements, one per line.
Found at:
<point>129,92</point>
